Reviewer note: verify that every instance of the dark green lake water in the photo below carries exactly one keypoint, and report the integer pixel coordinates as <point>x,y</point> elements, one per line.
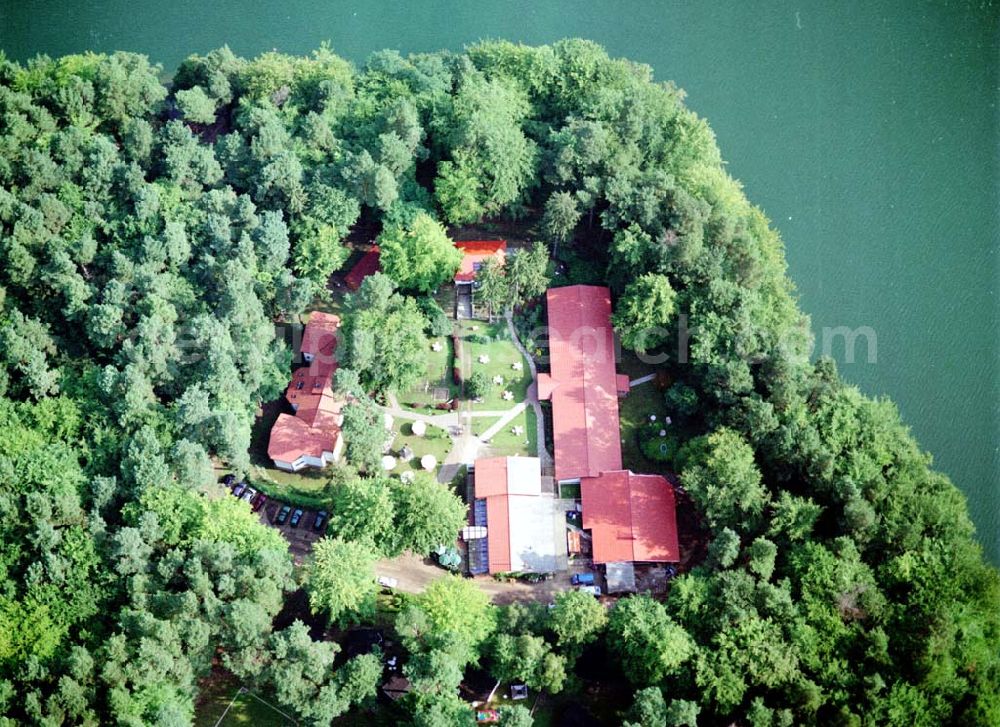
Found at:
<point>869,132</point>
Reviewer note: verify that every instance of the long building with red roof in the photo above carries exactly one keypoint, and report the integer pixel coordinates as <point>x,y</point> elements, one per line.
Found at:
<point>631,517</point>
<point>367,265</point>
<point>583,384</point>
<point>312,437</point>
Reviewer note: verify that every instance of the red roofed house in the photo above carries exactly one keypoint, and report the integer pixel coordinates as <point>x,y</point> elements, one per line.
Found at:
<point>631,517</point>
<point>367,265</point>
<point>524,529</point>
<point>312,437</point>
<point>474,254</point>
<point>583,384</point>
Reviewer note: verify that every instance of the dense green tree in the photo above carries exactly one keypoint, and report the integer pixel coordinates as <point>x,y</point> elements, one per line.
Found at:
<point>514,715</point>
<point>492,161</point>
<point>649,643</point>
<point>528,659</point>
<point>477,385</point>
<point>427,514</point>
<point>577,619</point>
<point>451,613</point>
<point>196,105</point>
<point>384,336</point>
<point>302,674</point>
<point>527,274</point>
<point>648,710</point>
<point>722,477</point>
<point>363,510</point>
<point>561,216</point>
<point>491,287</point>
<point>419,256</point>
<point>341,579</point>
<point>365,433</point>
<point>644,312</point>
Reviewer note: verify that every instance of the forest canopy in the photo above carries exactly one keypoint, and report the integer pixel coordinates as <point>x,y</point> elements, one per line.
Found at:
<point>152,237</point>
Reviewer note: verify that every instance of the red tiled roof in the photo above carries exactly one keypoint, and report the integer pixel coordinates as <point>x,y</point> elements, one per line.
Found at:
<point>498,517</point>
<point>498,480</point>
<point>583,384</point>
<point>631,517</point>
<point>367,265</point>
<point>475,253</point>
<point>624,384</point>
<point>320,335</point>
<point>491,477</point>
<point>315,427</point>
<point>292,438</point>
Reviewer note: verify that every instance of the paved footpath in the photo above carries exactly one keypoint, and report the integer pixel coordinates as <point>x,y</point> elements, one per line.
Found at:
<point>532,396</point>
<point>466,446</point>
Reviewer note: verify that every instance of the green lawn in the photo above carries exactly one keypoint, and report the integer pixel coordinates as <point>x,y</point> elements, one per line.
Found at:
<point>502,354</point>
<point>569,491</point>
<point>504,442</point>
<point>435,441</point>
<point>634,411</point>
<point>439,364</point>
<point>217,694</point>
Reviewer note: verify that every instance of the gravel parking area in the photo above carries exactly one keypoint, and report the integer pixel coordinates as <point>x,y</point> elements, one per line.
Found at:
<point>301,538</point>
<point>413,574</point>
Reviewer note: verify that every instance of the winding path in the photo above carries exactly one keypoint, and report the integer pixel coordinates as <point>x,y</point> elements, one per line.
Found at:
<point>532,396</point>
<point>465,446</point>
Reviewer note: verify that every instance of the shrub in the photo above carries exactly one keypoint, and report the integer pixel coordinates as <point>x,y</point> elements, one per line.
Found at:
<point>478,385</point>
<point>655,447</point>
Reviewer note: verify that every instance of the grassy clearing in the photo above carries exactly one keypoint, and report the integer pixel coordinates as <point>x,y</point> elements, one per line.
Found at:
<point>634,410</point>
<point>215,697</point>
<point>505,443</point>
<point>502,354</point>
<point>643,401</point>
<point>248,709</point>
<point>439,363</point>
<point>435,441</point>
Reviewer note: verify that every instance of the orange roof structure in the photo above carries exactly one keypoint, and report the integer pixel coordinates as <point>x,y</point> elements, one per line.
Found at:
<point>292,438</point>
<point>320,334</point>
<point>631,517</point>
<point>315,427</point>
<point>475,253</point>
<point>582,385</point>
<point>519,519</point>
<point>367,265</point>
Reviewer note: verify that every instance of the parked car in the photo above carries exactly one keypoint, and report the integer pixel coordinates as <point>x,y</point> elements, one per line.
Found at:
<point>249,494</point>
<point>296,517</point>
<point>320,522</point>
<point>228,480</point>
<point>283,514</point>
<point>239,489</point>
<point>582,579</point>
<point>387,582</point>
<point>592,590</point>
<point>257,504</point>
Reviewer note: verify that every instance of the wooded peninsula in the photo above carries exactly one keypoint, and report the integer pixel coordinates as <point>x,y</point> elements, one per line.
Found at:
<point>161,247</point>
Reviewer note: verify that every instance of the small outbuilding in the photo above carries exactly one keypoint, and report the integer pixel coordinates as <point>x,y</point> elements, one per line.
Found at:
<point>620,577</point>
